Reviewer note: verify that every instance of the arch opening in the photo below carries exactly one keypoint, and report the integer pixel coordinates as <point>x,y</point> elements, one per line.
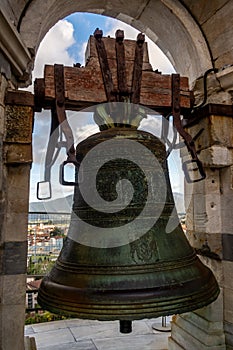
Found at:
<point>85,125</point>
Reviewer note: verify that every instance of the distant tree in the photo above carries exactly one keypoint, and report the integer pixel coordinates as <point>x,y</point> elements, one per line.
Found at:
<point>40,267</point>
<point>57,231</point>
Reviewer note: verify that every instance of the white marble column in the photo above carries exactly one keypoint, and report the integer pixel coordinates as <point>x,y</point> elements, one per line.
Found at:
<point>209,206</point>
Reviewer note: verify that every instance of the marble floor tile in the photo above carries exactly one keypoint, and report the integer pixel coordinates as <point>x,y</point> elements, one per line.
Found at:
<point>55,337</point>
<point>83,345</point>
<point>76,334</point>
<point>107,330</point>
<point>76,322</point>
<point>48,326</point>
<point>139,342</point>
<point>28,330</point>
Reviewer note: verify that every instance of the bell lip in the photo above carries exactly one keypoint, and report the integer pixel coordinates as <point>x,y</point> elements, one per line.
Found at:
<point>127,315</point>
<point>152,297</point>
<point>104,311</point>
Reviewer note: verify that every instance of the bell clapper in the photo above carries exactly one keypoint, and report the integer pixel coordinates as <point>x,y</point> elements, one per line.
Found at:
<point>125,326</point>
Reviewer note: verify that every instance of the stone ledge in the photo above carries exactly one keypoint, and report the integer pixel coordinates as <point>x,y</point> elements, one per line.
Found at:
<point>225,78</point>
<point>30,343</point>
<point>173,345</point>
<point>228,328</point>
<point>217,130</point>
<point>19,98</point>
<point>14,49</point>
<point>196,339</point>
<point>217,156</point>
<point>16,154</point>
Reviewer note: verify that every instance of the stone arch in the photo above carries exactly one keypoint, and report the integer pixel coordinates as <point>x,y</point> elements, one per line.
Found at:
<point>177,27</point>
<point>168,23</point>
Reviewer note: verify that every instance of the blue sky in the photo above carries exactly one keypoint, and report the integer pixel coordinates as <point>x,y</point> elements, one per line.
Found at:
<point>65,43</point>
<point>84,25</point>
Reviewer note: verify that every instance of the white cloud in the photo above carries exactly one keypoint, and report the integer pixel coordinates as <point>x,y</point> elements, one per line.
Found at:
<point>85,131</point>
<point>152,124</point>
<point>82,53</point>
<point>157,58</point>
<point>53,48</point>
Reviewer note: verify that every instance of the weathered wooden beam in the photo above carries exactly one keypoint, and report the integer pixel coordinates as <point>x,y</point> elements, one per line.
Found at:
<point>104,66</point>
<point>19,98</point>
<point>120,57</point>
<point>211,109</point>
<point>84,86</point>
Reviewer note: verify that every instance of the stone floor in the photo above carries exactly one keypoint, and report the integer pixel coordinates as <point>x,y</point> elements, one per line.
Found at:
<point>76,334</point>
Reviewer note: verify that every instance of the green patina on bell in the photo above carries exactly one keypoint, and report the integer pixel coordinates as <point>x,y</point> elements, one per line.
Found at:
<point>132,274</point>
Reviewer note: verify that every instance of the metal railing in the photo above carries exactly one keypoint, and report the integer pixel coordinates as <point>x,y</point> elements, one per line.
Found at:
<point>44,246</point>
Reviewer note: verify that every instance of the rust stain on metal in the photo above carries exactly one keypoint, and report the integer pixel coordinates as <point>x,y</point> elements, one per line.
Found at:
<point>103,60</point>
<point>137,69</point>
<point>121,69</point>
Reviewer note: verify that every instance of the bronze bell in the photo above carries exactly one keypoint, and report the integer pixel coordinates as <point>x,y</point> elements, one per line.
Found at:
<point>114,266</point>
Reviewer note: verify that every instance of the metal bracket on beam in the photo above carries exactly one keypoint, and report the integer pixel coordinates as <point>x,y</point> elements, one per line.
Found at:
<point>58,118</point>
<point>103,60</point>
<point>189,142</point>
